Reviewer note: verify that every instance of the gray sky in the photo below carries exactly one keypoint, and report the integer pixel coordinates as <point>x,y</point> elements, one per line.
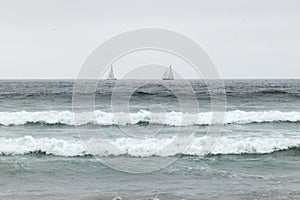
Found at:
<point>244,38</point>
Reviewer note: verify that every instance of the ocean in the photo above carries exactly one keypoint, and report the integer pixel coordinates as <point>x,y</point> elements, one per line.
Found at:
<point>46,154</point>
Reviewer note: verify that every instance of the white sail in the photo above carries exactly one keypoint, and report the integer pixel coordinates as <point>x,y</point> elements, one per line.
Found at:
<point>168,75</point>
<point>165,74</point>
<point>111,75</point>
<point>171,77</point>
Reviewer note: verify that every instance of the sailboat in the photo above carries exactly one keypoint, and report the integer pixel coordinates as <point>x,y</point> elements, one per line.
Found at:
<point>168,75</point>
<point>111,75</point>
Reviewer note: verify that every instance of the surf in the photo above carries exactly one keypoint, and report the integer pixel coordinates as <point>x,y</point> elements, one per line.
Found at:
<point>143,117</point>
<point>148,147</point>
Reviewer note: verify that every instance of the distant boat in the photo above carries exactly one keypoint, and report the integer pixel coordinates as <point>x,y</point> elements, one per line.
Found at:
<point>111,75</point>
<point>168,75</point>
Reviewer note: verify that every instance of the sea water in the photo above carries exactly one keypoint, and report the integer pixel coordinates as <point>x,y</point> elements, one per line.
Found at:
<point>46,154</point>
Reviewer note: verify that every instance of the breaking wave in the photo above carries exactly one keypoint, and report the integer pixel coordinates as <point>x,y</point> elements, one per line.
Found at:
<point>168,118</point>
<point>143,147</point>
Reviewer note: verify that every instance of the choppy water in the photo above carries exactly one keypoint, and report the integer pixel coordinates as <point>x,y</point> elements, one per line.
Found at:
<point>44,157</point>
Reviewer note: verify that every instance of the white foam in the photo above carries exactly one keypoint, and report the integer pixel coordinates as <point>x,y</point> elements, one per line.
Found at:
<point>170,118</point>
<point>142,147</point>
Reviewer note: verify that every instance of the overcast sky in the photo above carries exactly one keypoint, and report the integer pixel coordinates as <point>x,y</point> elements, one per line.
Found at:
<point>244,38</point>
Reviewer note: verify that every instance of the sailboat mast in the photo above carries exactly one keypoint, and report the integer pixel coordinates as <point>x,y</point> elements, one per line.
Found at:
<point>111,75</point>
<point>112,72</point>
<point>171,77</point>
<point>168,75</point>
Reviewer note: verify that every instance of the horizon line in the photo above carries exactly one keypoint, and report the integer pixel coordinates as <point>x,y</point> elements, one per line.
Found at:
<point>233,78</point>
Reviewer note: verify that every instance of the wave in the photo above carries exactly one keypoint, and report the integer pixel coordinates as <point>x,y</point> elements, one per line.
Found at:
<point>142,147</point>
<point>258,92</point>
<point>156,93</point>
<point>273,91</point>
<point>143,117</point>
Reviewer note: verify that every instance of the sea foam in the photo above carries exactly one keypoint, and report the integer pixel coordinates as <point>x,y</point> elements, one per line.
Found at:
<point>143,116</point>
<point>142,147</point>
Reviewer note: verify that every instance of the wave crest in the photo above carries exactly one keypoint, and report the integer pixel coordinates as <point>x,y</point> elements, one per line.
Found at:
<point>142,147</point>
<point>168,118</point>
